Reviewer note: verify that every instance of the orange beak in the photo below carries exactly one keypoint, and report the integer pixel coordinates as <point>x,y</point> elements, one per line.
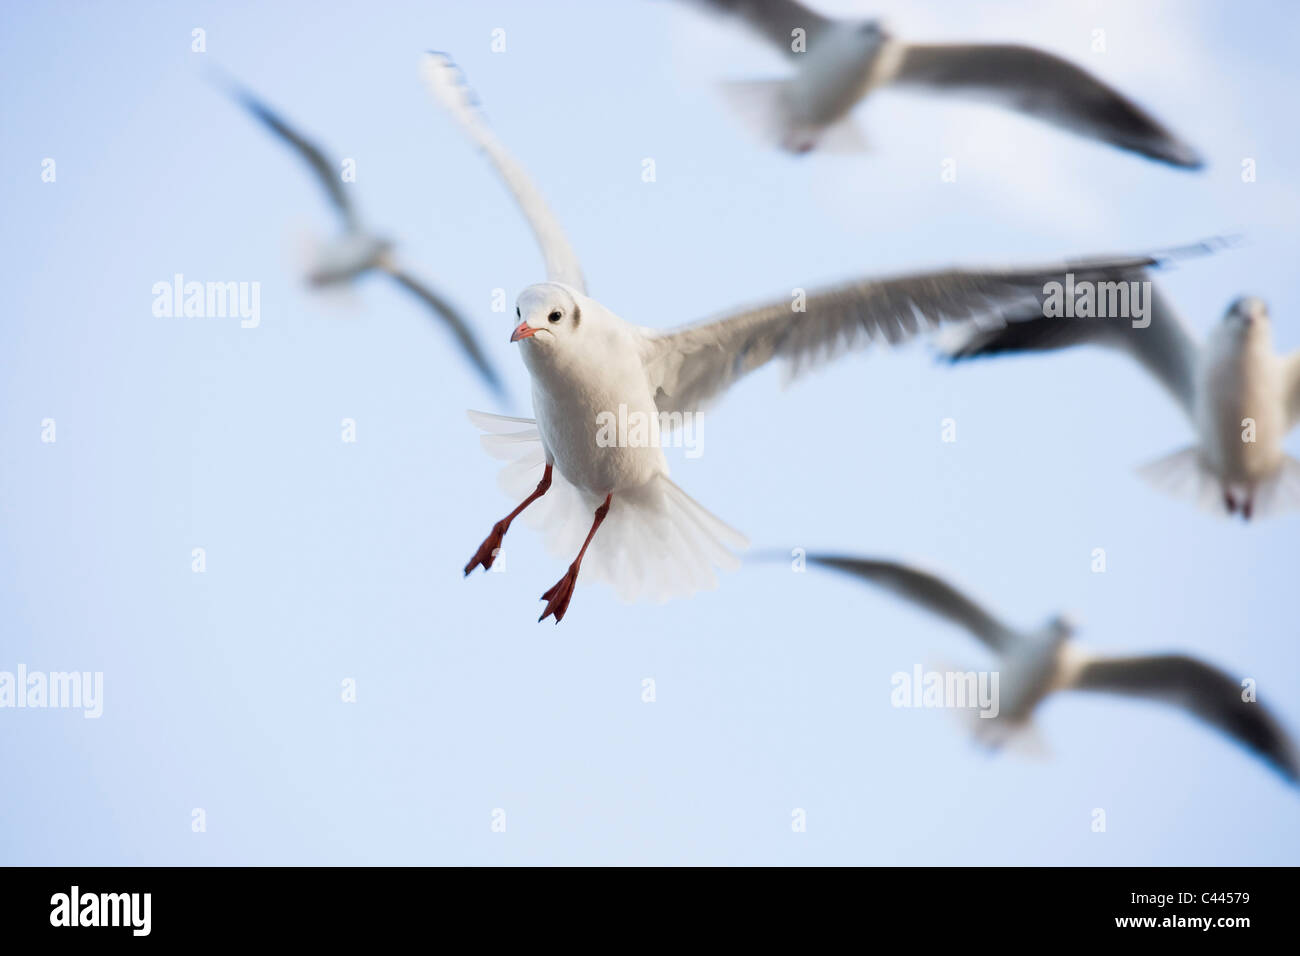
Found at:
<point>522,331</point>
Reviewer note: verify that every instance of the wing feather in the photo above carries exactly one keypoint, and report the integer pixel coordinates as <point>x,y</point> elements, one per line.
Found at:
<point>774,20</point>
<point>314,156</point>
<point>927,591</point>
<point>1204,691</point>
<point>1046,87</point>
<point>1165,347</point>
<point>446,83</point>
<point>453,319</point>
<point>690,366</point>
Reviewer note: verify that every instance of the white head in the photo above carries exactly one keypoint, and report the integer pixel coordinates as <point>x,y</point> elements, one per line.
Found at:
<point>1061,628</point>
<point>548,313</point>
<point>1247,322</point>
<point>1247,310</point>
<point>559,329</point>
<point>873,30</point>
<point>850,42</point>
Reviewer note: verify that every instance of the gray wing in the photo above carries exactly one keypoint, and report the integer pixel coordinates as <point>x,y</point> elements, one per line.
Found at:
<point>1046,87</point>
<point>1165,347</point>
<point>774,20</point>
<point>927,591</point>
<point>446,84</point>
<point>1204,692</point>
<point>324,170</point>
<point>689,366</point>
<point>456,322</point>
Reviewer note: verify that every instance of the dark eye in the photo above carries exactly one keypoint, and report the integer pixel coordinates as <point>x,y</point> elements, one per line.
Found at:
<point>518,314</point>
<point>554,317</point>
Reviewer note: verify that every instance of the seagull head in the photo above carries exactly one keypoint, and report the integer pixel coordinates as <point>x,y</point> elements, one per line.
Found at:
<point>1245,325</point>
<point>873,29</point>
<point>1062,627</point>
<point>1247,311</point>
<point>548,313</point>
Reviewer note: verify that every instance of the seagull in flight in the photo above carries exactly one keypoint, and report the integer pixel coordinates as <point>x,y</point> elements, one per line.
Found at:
<point>1046,659</point>
<point>578,476</point>
<point>358,251</point>
<point>839,62</point>
<point>1240,396</point>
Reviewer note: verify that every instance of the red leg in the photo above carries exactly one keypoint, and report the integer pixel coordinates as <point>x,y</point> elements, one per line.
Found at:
<point>1248,506</point>
<point>557,598</point>
<point>1229,503</point>
<point>487,551</point>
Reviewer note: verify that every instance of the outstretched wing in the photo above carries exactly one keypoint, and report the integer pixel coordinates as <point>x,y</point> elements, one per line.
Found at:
<point>456,322</point>
<point>328,176</point>
<point>927,591</point>
<point>774,20</point>
<point>1165,347</point>
<point>1044,86</point>
<point>1201,690</point>
<point>689,366</point>
<point>447,85</point>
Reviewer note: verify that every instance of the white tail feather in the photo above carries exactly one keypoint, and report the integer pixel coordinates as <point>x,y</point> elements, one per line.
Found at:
<point>759,106</point>
<point>762,107</point>
<point>844,138</point>
<point>1281,492</point>
<point>656,542</point>
<point>1183,474</point>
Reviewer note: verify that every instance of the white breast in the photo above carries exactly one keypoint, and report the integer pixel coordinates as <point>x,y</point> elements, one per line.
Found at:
<point>596,415</point>
<point>837,72</point>
<point>1240,398</point>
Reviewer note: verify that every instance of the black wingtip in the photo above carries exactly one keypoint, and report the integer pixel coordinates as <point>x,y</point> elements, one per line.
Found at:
<point>1179,156</point>
<point>1185,157</point>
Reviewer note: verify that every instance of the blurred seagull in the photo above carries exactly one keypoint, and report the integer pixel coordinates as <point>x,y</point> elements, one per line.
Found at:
<point>1039,662</point>
<point>1240,395</point>
<point>591,370</point>
<point>842,61</point>
<point>359,251</point>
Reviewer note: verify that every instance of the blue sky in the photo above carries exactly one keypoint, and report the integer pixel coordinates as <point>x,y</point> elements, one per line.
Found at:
<point>329,561</point>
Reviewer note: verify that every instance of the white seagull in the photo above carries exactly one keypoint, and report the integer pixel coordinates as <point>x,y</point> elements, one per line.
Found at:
<point>588,367</point>
<point>358,251</point>
<point>1240,396</point>
<point>842,61</point>
<point>1046,659</point>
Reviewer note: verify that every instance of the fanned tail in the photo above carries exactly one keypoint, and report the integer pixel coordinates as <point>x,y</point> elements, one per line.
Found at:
<point>1184,474</point>
<point>656,543</point>
<point>1281,492</point>
<point>761,106</point>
